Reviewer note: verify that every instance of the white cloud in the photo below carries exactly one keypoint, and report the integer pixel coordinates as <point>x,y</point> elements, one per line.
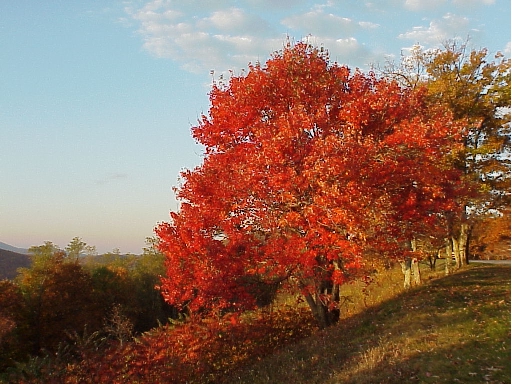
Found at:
<point>449,27</point>
<point>336,33</point>
<point>218,38</point>
<point>506,49</point>
<point>273,4</point>
<point>228,19</point>
<point>473,3</point>
<point>368,25</point>
<point>234,20</point>
<point>346,51</point>
<point>317,22</point>
<point>421,5</point>
<point>203,35</point>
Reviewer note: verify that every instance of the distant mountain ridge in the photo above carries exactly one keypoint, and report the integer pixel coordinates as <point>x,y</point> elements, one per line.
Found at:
<point>10,262</point>
<point>8,247</point>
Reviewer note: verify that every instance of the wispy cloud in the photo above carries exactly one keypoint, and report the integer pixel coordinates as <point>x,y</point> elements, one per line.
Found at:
<point>421,5</point>
<point>320,23</point>
<point>473,3</point>
<point>223,36</point>
<point>449,26</point>
<point>203,35</point>
<point>506,49</point>
<point>111,178</point>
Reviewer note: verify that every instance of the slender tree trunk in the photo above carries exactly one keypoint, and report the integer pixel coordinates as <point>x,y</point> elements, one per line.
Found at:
<point>468,253</point>
<point>448,259</point>
<point>324,301</point>
<point>464,244</point>
<point>411,269</point>
<point>432,259</point>
<point>319,310</point>
<point>407,271</point>
<point>415,267</point>
<point>456,252</point>
<point>334,313</point>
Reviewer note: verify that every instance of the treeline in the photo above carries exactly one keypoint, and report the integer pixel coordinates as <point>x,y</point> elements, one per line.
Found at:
<point>69,295</point>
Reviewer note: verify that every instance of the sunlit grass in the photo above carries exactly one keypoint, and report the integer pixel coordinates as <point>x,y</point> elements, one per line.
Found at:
<point>452,329</point>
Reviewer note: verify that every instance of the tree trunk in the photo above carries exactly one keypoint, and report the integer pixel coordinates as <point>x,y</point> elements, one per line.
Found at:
<point>468,254</point>
<point>456,252</point>
<point>415,267</point>
<point>324,301</point>
<point>320,311</point>
<point>407,271</point>
<point>432,259</point>
<point>448,257</point>
<point>410,268</point>
<point>464,244</point>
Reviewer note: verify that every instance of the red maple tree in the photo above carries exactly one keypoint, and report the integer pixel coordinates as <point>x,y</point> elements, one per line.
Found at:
<point>307,166</point>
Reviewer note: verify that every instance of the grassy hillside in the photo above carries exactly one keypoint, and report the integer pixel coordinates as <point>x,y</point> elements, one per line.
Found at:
<point>10,262</point>
<point>454,329</point>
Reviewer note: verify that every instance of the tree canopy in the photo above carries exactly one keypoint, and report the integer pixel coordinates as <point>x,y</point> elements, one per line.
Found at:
<point>475,87</point>
<point>309,168</point>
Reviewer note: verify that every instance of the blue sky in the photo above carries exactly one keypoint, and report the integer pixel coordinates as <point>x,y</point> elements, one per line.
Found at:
<point>98,97</point>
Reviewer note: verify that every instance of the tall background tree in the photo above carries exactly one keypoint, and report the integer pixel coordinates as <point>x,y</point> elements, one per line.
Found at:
<point>475,87</point>
<point>76,248</point>
<point>307,167</point>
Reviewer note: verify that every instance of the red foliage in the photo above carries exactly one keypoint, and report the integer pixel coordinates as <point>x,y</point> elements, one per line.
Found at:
<point>193,352</point>
<point>306,166</point>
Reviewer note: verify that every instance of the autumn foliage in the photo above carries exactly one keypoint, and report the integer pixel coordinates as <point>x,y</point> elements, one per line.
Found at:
<point>309,168</point>
<point>193,352</point>
<point>63,299</point>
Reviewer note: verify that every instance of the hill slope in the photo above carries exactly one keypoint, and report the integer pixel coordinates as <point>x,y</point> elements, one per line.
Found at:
<point>10,262</point>
<point>455,329</point>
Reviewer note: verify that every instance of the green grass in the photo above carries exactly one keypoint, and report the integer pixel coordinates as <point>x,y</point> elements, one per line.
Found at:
<point>453,329</point>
